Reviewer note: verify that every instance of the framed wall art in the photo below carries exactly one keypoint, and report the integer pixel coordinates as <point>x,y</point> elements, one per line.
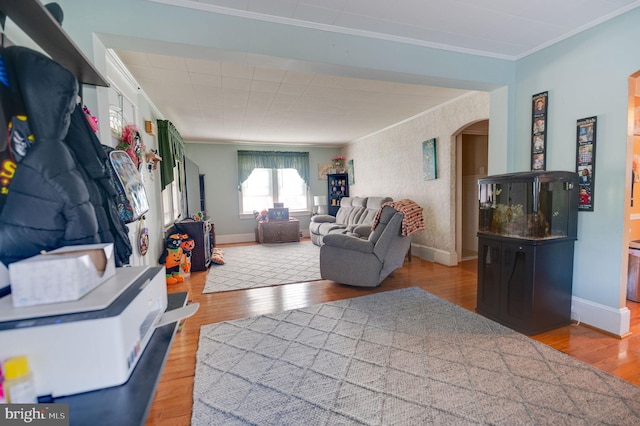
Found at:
<point>324,170</point>
<point>429,157</point>
<point>352,178</point>
<point>539,125</point>
<point>585,161</point>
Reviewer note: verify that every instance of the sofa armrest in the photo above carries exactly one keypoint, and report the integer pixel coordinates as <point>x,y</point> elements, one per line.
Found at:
<point>348,242</point>
<point>363,231</point>
<point>323,218</point>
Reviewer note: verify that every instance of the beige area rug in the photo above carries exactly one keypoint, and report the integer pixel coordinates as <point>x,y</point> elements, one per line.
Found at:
<point>263,265</point>
<point>402,357</point>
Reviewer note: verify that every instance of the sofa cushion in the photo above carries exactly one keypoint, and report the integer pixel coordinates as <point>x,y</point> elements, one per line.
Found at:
<point>350,215</point>
<point>385,217</point>
<point>374,203</point>
<point>325,228</point>
<point>351,209</point>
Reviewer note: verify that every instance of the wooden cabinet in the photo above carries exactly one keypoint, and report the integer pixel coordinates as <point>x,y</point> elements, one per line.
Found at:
<point>527,227</point>
<point>525,284</point>
<point>338,187</point>
<point>203,234</point>
<point>285,231</point>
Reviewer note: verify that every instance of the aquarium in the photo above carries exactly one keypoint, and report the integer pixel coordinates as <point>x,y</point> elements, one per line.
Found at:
<point>530,205</point>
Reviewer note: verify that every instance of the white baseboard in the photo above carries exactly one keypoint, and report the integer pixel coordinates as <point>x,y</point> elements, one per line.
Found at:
<point>235,238</point>
<point>245,238</point>
<point>606,318</point>
<point>434,255</point>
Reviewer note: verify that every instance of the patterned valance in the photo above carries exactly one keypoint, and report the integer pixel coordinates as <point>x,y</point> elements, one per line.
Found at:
<point>249,160</point>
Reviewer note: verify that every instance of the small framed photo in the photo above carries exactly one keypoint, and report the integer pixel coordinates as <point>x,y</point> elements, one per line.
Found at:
<point>539,125</point>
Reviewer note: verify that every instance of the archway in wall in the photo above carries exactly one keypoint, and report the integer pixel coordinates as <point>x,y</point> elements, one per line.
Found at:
<point>632,199</point>
<point>472,149</point>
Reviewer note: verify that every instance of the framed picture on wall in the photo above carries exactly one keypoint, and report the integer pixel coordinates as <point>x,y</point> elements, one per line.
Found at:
<point>324,170</point>
<point>352,177</point>
<point>539,125</point>
<point>429,157</point>
<point>585,161</point>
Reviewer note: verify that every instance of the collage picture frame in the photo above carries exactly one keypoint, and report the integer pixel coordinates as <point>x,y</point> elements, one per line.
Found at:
<point>585,161</point>
<point>539,125</point>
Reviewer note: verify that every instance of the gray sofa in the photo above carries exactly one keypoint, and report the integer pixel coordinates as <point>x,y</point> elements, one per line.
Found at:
<point>354,217</point>
<point>365,262</point>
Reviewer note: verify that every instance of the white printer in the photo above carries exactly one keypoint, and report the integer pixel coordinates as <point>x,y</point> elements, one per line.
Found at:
<point>91,343</point>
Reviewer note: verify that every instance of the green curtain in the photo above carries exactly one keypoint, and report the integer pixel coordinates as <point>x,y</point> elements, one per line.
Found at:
<point>171,149</point>
<point>249,160</point>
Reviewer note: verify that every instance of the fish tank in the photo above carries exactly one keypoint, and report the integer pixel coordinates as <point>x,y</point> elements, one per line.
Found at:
<point>530,205</point>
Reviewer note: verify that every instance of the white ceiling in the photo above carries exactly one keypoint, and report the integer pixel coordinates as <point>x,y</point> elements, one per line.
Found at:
<point>225,101</point>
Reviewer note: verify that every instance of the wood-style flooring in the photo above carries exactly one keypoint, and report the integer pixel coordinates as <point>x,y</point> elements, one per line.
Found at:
<point>173,400</point>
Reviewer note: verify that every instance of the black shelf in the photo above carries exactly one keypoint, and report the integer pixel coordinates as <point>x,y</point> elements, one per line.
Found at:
<point>338,187</point>
<point>201,232</point>
<point>36,21</point>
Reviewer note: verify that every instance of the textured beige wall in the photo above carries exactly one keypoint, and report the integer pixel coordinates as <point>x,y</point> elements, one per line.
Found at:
<point>389,163</point>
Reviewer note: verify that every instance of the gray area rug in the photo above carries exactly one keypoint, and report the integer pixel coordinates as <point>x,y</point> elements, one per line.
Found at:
<point>402,357</point>
<point>263,265</point>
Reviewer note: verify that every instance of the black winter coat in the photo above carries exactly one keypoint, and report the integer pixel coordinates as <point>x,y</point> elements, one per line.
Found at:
<point>92,160</point>
<point>48,204</point>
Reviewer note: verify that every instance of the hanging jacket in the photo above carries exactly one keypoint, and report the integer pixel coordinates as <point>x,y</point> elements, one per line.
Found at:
<point>92,160</point>
<point>47,205</point>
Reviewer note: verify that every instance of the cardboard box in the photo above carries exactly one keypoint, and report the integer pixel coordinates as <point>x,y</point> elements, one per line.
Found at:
<point>61,275</point>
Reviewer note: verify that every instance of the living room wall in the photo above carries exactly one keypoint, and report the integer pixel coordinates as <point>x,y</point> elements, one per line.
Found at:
<point>389,163</point>
<point>219,164</point>
<point>588,75</point>
<point>585,75</point>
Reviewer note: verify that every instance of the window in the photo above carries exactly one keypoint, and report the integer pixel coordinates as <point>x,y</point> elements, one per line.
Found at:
<point>121,112</point>
<point>268,177</point>
<point>171,205</point>
<point>267,186</point>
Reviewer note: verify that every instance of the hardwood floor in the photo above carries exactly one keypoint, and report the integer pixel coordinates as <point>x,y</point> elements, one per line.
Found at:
<point>173,400</point>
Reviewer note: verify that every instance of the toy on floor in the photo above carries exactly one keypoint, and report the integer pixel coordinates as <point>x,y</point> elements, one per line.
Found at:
<point>188,244</point>
<point>172,259</point>
<point>217,257</point>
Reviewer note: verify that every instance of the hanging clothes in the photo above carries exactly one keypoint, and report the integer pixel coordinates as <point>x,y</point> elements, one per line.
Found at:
<point>47,205</point>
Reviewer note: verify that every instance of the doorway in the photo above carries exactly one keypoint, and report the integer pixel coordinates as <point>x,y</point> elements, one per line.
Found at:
<point>632,207</point>
<point>472,148</point>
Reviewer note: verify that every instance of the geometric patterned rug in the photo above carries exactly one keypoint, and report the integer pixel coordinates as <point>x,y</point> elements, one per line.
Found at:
<point>402,357</point>
<point>262,265</point>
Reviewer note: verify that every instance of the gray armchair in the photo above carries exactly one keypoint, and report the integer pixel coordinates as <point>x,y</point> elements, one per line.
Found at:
<point>361,262</point>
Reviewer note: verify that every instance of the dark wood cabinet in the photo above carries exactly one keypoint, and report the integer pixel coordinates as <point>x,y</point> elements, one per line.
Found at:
<point>527,230</point>
<point>525,284</point>
<point>338,187</point>
<point>203,234</point>
<point>285,231</point>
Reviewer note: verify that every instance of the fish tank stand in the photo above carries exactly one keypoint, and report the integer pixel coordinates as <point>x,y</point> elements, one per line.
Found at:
<point>526,235</point>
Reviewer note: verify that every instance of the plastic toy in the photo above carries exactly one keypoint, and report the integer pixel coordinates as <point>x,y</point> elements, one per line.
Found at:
<point>188,244</point>
<point>172,258</point>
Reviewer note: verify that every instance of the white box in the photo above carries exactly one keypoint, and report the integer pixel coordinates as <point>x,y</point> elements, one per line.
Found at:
<point>61,275</point>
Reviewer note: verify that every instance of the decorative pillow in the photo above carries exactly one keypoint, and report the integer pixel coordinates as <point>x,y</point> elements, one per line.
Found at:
<point>217,256</point>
